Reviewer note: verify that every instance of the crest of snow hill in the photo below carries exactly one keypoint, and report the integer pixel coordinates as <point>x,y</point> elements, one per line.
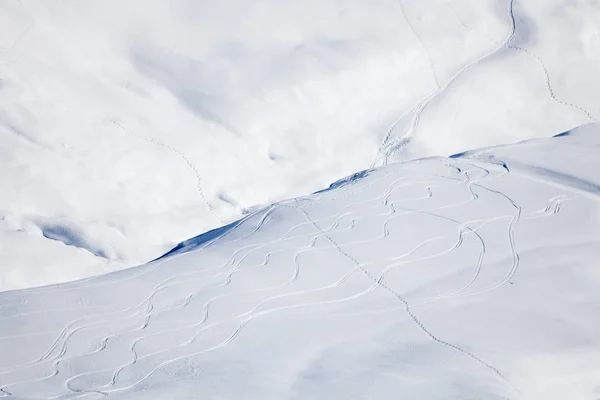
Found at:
<point>126,130</point>
<point>471,277</point>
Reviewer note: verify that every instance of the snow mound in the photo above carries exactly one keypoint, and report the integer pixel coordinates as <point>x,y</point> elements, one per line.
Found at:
<point>467,277</point>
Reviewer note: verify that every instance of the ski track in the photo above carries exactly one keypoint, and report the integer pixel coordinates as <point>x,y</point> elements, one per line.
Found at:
<point>69,330</point>
<point>134,323</point>
<point>420,40</point>
<point>250,316</point>
<point>67,336</point>
<point>413,317</point>
<point>162,284</point>
<point>511,235</point>
<point>389,147</point>
<point>542,66</point>
<point>529,53</point>
<point>553,207</point>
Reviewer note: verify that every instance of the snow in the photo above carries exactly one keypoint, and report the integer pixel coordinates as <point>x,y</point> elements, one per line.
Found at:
<point>169,229</point>
<point>126,129</point>
<point>473,277</point>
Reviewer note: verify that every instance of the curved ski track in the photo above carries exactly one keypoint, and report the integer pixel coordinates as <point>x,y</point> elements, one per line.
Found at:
<point>200,289</point>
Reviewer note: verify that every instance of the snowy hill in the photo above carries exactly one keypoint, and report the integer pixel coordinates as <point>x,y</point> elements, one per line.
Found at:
<point>127,128</point>
<point>470,277</point>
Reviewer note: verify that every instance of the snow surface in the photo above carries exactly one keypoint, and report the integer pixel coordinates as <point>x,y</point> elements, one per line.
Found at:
<point>469,277</point>
<point>127,127</point>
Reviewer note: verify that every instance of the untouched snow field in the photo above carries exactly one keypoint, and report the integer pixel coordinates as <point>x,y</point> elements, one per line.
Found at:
<point>469,277</point>
<point>127,127</point>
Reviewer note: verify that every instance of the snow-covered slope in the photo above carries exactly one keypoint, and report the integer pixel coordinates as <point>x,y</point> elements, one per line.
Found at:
<point>470,277</point>
<point>128,127</point>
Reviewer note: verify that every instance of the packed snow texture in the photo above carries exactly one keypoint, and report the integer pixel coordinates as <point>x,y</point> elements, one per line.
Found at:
<point>127,127</point>
<point>469,277</point>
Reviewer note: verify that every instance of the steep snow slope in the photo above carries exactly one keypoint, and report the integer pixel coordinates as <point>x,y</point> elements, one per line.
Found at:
<point>125,129</point>
<point>471,277</point>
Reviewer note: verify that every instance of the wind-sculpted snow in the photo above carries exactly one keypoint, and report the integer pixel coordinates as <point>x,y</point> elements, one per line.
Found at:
<point>127,129</point>
<point>473,277</point>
